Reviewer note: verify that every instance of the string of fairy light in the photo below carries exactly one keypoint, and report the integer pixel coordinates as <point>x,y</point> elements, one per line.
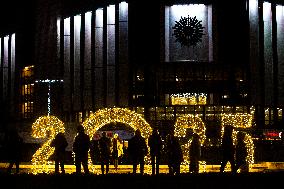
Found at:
<point>49,126</point>
<point>240,121</point>
<point>49,82</point>
<point>106,116</point>
<point>45,127</point>
<point>196,124</point>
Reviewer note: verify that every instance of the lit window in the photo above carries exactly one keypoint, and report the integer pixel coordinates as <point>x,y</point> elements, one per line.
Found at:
<point>188,99</point>
<point>27,90</point>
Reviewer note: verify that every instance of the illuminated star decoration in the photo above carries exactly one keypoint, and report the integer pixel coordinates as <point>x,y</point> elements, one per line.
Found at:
<point>45,127</point>
<point>106,116</point>
<point>188,31</point>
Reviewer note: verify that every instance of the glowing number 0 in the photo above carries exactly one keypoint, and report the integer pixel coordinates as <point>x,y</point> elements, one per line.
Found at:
<point>198,127</point>
<point>105,116</point>
<point>46,126</point>
<point>240,120</point>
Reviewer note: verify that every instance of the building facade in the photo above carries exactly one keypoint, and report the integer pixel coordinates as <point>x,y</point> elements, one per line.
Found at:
<point>96,54</point>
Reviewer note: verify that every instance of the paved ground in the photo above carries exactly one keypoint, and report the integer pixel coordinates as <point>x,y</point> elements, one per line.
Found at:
<point>255,180</point>
<point>261,167</point>
<point>262,175</point>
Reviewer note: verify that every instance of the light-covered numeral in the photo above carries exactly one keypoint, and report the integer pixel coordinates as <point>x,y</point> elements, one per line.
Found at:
<point>106,116</point>
<point>45,127</point>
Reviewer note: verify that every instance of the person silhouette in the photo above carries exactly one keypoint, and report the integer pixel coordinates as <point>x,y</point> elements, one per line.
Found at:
<point>14,147</point>
<point>195,154</point>
<point>228,149</point>
<point>95,151</point>
<point>60,144</point>
<point>81,147</point>
<point>104,146</point>
<point>174,153</point>
<point>116,151</point>
<point>137,150</point>
<point>241,152</point>
<point>155,144</point>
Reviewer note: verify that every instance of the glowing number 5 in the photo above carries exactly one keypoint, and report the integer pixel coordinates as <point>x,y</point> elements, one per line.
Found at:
<point>46,126</point>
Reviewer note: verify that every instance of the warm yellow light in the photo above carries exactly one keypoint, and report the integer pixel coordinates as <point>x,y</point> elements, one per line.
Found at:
<point>196,124</point>
<point>188,99</point>
<point>105,116</point>
<point>45,127</point>
<point>244,121</point>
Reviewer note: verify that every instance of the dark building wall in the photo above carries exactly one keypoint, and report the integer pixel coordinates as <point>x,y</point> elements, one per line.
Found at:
<point>46,59</point>
<point>232,33</point>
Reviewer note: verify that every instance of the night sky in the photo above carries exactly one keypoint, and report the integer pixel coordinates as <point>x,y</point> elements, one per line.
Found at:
<point>16,15</point>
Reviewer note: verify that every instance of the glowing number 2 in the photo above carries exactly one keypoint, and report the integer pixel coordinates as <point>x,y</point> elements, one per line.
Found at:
<point>46,126</point>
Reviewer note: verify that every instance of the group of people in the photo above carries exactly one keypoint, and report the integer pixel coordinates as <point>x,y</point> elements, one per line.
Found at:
<point>108,149</point>
<point>234,154</point>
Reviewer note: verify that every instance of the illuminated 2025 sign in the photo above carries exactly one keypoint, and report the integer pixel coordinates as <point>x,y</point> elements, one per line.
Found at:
<point>50,126</point>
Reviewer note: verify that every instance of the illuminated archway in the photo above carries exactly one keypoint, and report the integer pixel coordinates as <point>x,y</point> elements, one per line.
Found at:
<point>106,116</point>
<point>196,124</point>
<point>45,126</point>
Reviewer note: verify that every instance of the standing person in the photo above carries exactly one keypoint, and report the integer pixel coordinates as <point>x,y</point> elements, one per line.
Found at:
<point>241,152</point>
<point>138,150</point>
<point>155,144</point>
<point>228,149</point>
<point>95,151</point>
<point>195,154</point>
<point>14,147</point>
<point>104,145</point>
<point>174,151</point>
<point>116,151</point>
<point>60,144</point>
<point>81,147</point>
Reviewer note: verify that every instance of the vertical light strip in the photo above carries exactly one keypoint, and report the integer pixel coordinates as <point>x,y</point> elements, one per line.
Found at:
<point>167,33</point>
<point>123,55</point>
<point>5,68</point>
<point>67,77</point>
<point>99,59</point>
<point>254,50</point>
<point>13,62</point>
<point>253,8</point>
<point>123,6</point>
<point>6,46</point>
<point>58,39</point>
<point>111,55</point>
<point>280,50</point>
<point>210,33</point>
<point>268,52</point>
<point>266,11</point>
<point>87,62</point>
<point>77,70</point>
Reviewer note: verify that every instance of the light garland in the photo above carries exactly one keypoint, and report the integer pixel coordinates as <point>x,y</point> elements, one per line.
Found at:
<point>244,121</point>
<point>198,127</point>
<point>49,126</point>
<point>49,91</point>
<point>106,116</point>
<point>188,99</point>
<point>45,126</point>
